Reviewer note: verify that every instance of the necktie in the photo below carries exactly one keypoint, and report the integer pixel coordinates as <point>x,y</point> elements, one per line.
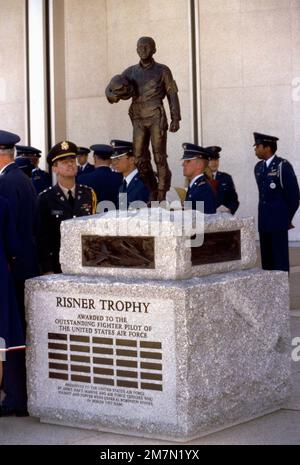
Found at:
<point>80,169</point>
<point>71,199</point>
<point>265,167</point>
<point>124,186</point>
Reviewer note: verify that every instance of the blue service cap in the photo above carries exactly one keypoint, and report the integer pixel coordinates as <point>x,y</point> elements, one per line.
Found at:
<point>215,151</point>
<point>103,151</point>
<point>121,147</point>
<point>263,138</point>
<point>192,151</point>
<point>26,150</point>
<point>8,139</point>
<point>83,151</point>
<point>24,164</point>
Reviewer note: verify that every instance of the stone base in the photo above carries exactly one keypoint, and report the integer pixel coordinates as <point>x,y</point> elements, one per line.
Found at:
<point>173,359</point>
<point>163,436</point>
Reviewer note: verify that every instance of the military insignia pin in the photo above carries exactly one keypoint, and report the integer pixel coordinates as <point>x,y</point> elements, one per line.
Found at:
<point>64,145</point>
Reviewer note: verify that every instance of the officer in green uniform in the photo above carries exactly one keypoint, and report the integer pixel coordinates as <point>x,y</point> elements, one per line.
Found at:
<point>63,201</point>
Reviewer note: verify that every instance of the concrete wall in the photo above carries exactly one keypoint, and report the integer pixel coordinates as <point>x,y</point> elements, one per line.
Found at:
<point>250,57</point>
<point>100,42</point>
<point>12,65</point>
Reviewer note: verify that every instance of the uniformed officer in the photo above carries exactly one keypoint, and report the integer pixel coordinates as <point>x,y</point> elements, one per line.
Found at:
<point>278,202</point>
<point>227,198</point>
<point>123,161</point>
<point>84,167</point>
<point>103,180</point>
<point>24,164</point>
<point>17,188</point>
<point>63,201</point>
<point>195,160</point>
<point>40,178</point>
<point>11,328</point>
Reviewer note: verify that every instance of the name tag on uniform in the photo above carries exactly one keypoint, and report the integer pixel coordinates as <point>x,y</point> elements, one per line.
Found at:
<point>273,173</point>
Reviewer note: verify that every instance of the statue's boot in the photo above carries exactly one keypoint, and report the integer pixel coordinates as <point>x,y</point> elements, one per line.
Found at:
<point>161,195</point>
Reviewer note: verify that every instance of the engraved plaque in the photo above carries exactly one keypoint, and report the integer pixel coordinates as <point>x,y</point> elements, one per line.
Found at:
<point>107,355</point>
<point>218,247</point>
<point>118,252</point>
<point>104,362</point>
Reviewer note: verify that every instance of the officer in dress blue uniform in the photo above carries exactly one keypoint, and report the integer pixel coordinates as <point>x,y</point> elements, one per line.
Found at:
<point>227,198</point>
<point>11,328</point>
<point>103,180</point>
<point>84,167</point>
<point>195,161</point>
<point>40,179</point>
<point>17,188</point>
<point>63,201</point>
<point>278,202</point>
<point>123,161</point>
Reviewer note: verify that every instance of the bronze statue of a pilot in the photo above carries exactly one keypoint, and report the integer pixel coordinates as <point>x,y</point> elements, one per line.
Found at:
<point>147,83</point>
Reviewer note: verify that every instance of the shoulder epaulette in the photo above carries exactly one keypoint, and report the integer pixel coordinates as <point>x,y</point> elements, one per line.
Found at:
<point>85,187</point>
<point>46,190</point>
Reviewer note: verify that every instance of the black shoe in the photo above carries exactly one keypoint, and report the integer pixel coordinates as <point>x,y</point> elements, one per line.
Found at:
<point>4,412</point>
<point>22,413</point>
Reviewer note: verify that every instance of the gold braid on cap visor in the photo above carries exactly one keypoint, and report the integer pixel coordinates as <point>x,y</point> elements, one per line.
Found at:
<point>64,155</point>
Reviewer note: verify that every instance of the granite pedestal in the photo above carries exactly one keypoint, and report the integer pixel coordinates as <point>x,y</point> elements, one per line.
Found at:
<point>161,358</point>
<point>177,360</point>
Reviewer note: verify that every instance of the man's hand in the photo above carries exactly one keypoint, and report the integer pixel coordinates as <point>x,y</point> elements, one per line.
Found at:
<point>174,126</point>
